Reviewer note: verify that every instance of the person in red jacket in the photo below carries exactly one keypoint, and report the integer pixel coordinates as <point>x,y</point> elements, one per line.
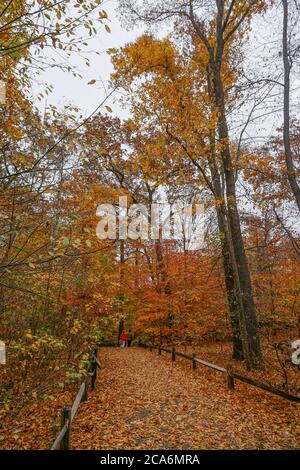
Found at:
<point>123,339</point>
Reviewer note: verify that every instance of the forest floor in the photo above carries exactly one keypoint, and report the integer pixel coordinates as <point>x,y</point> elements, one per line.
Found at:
<point>144,401</point>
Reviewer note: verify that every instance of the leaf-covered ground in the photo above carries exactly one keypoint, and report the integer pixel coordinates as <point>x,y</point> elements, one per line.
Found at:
<point>144,401</point>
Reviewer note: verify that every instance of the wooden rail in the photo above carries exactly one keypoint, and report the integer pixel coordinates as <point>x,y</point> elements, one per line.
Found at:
<point>231,376</point>
<point>208,364</point>
<point>78,400</point>
<point>63,439</point>
<point>57,443</point>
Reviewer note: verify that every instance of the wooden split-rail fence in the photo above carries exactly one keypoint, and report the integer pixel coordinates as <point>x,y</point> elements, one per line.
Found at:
<point>231,375</point>
<point>63,439</point>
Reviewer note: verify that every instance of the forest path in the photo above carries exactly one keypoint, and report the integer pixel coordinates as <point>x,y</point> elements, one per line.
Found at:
<point>144,401</point>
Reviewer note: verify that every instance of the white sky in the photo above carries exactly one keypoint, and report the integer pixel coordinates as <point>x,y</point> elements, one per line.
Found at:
<point>76,91</point>
<point>262,60</point>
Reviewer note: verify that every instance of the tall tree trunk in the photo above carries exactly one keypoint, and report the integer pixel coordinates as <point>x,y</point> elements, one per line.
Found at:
<point>291,172</point>
<point>232,291</point>
<point>163,280</point>
<point>253,354</point>
<point>121,275</point>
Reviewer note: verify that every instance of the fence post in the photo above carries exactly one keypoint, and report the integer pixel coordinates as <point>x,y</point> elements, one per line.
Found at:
<point>94,374</point>
<point>85,393</point>
<point>194,362</point>
<point>230,377</point>
<point>173,354</point>
<point>95,352</point>
<point>66,417</point>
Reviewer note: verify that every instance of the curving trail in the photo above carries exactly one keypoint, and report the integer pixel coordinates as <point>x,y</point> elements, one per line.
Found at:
<point>144,401</point>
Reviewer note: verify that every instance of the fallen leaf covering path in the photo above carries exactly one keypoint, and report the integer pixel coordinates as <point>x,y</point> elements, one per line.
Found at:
<point>144,401</point>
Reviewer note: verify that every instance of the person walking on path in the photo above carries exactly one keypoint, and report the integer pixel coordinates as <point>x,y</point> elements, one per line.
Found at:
<point>123,339</point>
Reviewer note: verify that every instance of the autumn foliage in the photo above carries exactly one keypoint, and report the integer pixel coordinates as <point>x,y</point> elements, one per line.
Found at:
<point>61,287</point>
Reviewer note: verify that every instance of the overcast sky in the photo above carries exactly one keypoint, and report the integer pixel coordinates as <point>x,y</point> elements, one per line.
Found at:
<point>68,89</point>
<point>262,57</point>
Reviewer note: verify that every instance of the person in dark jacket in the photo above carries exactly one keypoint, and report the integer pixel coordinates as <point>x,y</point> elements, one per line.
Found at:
<point>129,338</point>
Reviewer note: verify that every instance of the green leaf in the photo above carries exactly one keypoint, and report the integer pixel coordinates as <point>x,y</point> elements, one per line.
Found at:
<point>112,50</point>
